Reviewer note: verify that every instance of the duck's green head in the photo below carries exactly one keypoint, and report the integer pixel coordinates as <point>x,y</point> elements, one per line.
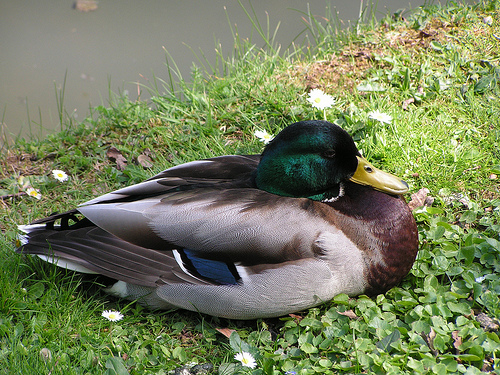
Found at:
<point>311,158</point>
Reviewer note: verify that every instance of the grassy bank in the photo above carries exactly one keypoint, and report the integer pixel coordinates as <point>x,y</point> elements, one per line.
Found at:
<point>435,73</point>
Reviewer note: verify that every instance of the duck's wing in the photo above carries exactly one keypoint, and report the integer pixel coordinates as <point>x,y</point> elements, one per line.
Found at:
<point>239,225</point>
<point>233,170</point>
<point>184,224</point>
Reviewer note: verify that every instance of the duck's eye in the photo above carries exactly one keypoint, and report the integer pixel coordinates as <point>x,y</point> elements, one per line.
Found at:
<point>329,154</point>
<point>368,169</point>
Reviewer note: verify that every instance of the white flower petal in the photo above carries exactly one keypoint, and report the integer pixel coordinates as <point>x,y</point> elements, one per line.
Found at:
<point>263,136</point>
<point>59,175</point>
<point>35,193</point>
<point>380,116</point>
<point>112,315</point>
<point>320,100</point>
<point>246,359</point>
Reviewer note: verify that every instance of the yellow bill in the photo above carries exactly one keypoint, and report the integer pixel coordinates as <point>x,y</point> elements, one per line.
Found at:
<point>367,174</point>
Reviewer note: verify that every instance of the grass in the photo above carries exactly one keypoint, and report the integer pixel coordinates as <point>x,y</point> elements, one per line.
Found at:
<point>435,72</point>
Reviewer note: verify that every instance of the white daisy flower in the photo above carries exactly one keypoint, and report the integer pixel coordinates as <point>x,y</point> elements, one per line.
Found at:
<point>382,117</point>
<point>112,315</point>
<point>263,136</point>
<point>320,100</point>
<point>35,193</point>
<point>246,359</point>
<point>59,175</point>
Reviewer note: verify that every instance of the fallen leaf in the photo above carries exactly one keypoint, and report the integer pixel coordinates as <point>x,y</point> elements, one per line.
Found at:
<point>349,313</point>
<point>298,318</point>
<point>432,335</point>
<point>145,161</point>
<point>457,340</point>
<point>226,331</point>
<point>407,102</point>
<point>429,340</point>
<point>420,199</point>
<point>487,323</point>
<point>114,154</point>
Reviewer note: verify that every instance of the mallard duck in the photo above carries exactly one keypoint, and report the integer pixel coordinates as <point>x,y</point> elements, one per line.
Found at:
<point>244,237</point>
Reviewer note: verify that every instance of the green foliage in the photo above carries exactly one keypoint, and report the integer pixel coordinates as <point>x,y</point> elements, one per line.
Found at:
<point>445,139</point>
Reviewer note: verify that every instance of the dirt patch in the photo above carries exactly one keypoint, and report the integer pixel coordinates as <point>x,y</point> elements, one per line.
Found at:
<point>347,68</point>
<point>23,164</point>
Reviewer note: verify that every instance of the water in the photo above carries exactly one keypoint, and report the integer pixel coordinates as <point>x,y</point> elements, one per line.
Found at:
<point>121,44</point>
